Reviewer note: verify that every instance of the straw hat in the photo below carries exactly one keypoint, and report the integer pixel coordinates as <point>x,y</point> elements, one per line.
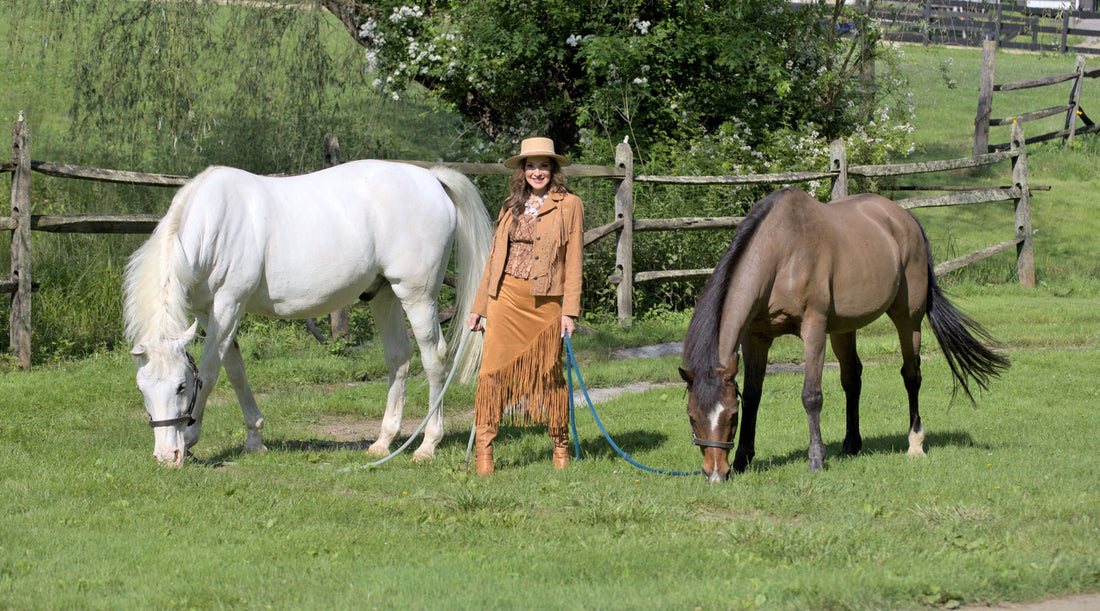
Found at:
<point>534,147</point>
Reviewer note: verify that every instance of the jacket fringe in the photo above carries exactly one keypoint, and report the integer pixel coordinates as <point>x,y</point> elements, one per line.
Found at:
<point>529,390</point>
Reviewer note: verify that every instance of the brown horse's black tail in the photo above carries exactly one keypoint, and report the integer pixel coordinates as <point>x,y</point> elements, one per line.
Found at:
<point>965,342</point>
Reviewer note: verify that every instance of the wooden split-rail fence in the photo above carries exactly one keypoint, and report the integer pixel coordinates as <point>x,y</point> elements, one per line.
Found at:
<point>621,226</point>
<point>1077,121</point>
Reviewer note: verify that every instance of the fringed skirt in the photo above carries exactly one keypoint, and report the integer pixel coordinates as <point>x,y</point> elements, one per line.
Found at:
<point>521,379</point>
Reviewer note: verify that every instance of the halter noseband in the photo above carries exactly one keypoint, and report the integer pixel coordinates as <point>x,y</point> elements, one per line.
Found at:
<point>186,417</point>
<point>724,445</point>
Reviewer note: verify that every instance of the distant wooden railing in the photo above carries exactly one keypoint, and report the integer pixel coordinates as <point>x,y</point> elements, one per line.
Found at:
<point>1008,25</point>
<point>1072,110</point>
<point>623,224</point>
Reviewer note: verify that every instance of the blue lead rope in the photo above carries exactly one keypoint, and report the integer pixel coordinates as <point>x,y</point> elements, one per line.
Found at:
<point>572,366</point>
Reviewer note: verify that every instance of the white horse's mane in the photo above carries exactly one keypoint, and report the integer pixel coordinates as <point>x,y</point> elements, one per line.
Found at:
<point>155,306</point>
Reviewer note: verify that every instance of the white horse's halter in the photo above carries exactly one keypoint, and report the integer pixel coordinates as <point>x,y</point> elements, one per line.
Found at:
<point>196,387</point>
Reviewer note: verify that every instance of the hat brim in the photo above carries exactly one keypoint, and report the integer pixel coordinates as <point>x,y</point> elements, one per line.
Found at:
<point>514,161</point>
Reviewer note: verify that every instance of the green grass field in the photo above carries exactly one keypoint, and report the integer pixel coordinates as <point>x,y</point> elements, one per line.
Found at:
<point>1005,506</point>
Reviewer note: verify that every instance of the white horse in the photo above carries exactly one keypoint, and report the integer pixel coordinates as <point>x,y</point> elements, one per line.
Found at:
<point>298,247</point>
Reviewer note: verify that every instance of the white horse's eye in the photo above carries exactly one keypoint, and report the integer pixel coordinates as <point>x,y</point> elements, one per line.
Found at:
<point>182,388</point>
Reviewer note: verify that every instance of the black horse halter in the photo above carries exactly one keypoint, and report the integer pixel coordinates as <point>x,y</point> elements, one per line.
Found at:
<point>725,445</point>
<point>186,417</point>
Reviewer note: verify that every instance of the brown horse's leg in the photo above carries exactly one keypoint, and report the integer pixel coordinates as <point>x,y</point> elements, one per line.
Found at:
<point>909,338</point>
<point>755,350</point>
<point>813,339</point>
<point>851,380</point>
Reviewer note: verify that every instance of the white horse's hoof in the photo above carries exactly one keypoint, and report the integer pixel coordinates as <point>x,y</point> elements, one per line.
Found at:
<point>422,455</point>
<point>255,448</point>
<point>378,450</point>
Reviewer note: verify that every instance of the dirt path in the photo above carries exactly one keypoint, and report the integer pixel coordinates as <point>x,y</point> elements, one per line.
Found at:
<point>1082,602</point>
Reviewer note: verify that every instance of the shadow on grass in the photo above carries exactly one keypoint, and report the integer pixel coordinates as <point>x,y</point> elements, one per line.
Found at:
<point>631,442</point>
<point>872,446</point>
<point>231,453</point>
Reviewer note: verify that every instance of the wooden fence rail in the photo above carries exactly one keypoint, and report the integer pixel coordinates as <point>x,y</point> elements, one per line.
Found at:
<point>21,223</point>
<point>1072,109</point>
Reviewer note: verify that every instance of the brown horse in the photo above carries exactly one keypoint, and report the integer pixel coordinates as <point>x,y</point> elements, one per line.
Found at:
<point>801,267</point>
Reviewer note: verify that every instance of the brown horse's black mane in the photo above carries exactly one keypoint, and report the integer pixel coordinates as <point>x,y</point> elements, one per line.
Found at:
<point>701,340</point>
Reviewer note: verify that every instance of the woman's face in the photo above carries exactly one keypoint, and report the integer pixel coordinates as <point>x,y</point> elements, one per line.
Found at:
<point>536,170</point>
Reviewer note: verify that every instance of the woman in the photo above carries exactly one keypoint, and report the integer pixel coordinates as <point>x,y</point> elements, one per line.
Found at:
<point>529,295</point>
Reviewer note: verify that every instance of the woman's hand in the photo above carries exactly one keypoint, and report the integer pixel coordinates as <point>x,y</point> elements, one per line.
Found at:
<point>475,322</point>
<point>567,326</point>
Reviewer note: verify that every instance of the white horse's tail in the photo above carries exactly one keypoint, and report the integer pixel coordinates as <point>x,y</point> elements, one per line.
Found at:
<point>473,238</point>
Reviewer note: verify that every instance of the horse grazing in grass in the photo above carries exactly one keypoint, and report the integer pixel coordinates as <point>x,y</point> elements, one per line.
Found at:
<point>800,267</point>
<point>299,247</point>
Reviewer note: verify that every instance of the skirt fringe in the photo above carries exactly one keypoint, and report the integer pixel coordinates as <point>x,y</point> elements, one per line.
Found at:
<point>529,387</point>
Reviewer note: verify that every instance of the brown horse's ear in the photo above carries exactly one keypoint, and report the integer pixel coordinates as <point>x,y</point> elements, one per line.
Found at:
<point>728,374</point>
<point>687,376</point>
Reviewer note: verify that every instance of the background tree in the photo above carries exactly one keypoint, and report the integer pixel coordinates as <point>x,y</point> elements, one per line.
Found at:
<point>651,69</point>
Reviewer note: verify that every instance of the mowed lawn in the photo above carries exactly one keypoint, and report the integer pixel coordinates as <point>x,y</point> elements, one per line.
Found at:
<point>1003,507</point>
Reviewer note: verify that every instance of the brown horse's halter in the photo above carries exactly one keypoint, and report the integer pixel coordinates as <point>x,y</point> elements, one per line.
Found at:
<point>725,445</point>
<point>186,417</point>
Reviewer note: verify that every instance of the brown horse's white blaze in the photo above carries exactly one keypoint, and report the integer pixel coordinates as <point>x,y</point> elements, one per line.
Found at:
<point>819,271</point>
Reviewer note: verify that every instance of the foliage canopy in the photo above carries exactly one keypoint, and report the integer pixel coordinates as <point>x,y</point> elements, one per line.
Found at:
<point>649,69</point>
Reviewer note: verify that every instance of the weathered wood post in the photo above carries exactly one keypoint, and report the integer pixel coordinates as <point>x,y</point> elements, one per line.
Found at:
<point>1065,30</point>
<point>339,320</point>
<point>926,24</point>
<point>624,248</point>
<point>985,99</point>
<point>838,162</point>
<point>1075,98</point>
<point>997,25</point>
<point>1025,249</point>
<point>20,320</point>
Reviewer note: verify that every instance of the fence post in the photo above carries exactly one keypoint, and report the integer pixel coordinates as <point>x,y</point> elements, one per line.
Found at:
<point>985,99</point>
<point>339,320</point>
<point>926,24</point>
<point>624,249</point>
<point>1065,30</point>
<point>838,162</point>
<point>1075,98</point>
<point>1025,252</point>
<point>20,322</point>
<point>997,26</point>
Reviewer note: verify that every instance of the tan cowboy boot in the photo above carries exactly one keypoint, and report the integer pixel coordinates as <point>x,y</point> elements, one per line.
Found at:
<point>561,450</point>
<point>483,448</point>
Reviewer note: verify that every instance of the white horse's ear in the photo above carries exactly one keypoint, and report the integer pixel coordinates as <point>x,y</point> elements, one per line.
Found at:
<point>190,334</point>
<point>139,350</point>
